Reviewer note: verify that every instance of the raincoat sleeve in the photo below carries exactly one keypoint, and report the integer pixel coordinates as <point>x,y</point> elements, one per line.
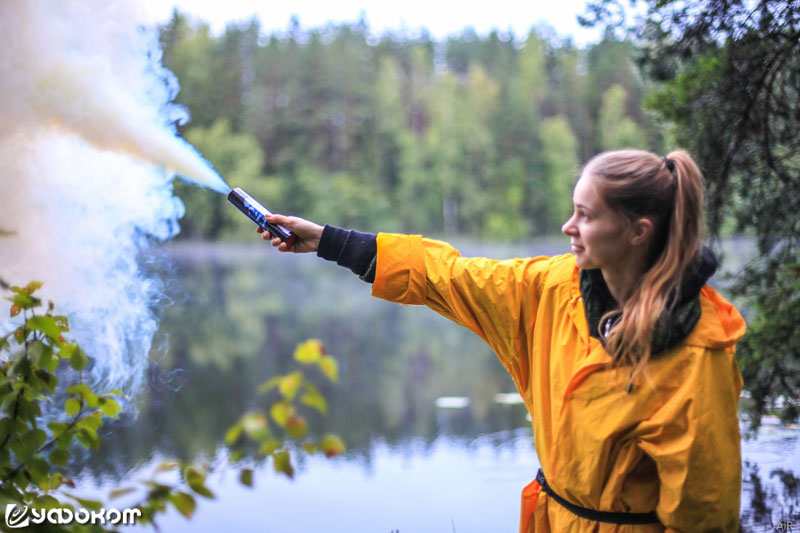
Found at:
<point>496,299</point>
<point>695,442</point>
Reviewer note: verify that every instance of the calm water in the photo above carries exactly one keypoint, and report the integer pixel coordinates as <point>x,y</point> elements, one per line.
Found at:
<point>237,313</point>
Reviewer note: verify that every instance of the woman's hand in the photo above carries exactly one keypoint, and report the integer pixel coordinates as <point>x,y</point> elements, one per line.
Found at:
<point>305,234</point>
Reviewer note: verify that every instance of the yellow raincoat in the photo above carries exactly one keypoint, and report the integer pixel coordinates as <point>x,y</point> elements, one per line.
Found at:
<point>671,445</point>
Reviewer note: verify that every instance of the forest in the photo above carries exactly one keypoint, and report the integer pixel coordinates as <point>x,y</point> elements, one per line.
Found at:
<point>481,136</point>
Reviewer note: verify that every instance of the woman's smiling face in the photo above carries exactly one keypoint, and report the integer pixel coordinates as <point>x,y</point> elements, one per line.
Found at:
<point>598,235</point>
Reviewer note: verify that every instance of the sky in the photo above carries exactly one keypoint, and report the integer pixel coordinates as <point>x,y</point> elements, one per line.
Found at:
<point>441,19</point>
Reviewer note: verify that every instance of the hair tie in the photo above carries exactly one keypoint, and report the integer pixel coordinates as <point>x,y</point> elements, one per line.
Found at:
<point>670,164</point>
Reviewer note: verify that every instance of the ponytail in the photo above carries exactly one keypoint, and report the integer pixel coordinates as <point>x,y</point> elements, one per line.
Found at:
<point>668,191</point>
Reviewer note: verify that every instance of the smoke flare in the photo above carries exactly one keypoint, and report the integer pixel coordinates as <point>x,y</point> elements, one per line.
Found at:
<point>88,147</point>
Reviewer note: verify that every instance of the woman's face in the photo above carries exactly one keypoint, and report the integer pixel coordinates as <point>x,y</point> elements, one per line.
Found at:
<point>599,236</point>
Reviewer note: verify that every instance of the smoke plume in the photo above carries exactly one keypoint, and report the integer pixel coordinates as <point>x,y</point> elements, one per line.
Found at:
<point>88,151</point>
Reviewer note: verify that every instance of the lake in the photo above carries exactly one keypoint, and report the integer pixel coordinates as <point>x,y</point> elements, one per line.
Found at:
<point>435,442</point>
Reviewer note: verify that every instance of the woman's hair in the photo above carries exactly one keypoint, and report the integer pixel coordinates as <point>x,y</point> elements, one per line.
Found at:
<point>669,192</point>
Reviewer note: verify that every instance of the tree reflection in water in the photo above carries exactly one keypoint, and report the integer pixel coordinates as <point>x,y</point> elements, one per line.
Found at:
<point>239,311</point>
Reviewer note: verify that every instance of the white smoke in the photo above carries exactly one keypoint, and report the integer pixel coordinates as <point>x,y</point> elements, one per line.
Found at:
<point>87,148</point>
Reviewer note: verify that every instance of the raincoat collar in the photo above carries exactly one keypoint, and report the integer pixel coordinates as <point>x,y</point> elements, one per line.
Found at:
<point>673,326</point>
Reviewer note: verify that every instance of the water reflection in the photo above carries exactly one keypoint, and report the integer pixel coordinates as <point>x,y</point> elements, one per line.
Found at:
<point>423,406</point>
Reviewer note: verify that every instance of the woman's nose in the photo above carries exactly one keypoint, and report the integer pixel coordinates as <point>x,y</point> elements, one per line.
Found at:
<point>568,228</point>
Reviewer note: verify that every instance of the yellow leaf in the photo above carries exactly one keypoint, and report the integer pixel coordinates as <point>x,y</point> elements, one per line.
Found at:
<point>289,385</point>
<point>281,411</point>
<point>309,352</point>
<point>329,367</point>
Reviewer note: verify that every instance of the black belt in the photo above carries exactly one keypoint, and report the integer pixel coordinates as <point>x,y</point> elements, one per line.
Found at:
<point>608,517</point>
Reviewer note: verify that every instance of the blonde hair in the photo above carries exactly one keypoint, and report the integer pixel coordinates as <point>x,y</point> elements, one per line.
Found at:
<point>669,192</point>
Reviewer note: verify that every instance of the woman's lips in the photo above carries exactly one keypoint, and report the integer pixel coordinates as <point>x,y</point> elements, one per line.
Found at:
<point>576,248</point>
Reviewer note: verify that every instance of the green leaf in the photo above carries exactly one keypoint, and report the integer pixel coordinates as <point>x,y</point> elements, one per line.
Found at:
<point>78,359</point>
<point>45,502</point>
<point>88,438</point>
<point>309,352</point>
<point>184,503</point>
<point>72,406</point>
<point>290,384</point>
<point>196,481</point>
<point>233,434</point>
<point>66,350</point>
<point>45,324</point>
<point>280,412</point>
<point>48,379</point>
<point>269,384</point>
<point>309,447</point>
<point>283,464</point>
<point>21,367</point>
<point>246,477</point>
<point>329,367</point>
<point>59,457</point>
<point>255,425</point>
<point>92,505</point>
<point>117,493</point>
<point>331,445</point>
<point>296,427</point>
<point>110,407</point>
<point>269,446</point>
<point>81,389</point>
<point>313,398</point>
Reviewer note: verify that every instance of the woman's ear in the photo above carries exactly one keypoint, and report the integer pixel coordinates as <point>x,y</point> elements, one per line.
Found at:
<point>641,230</point>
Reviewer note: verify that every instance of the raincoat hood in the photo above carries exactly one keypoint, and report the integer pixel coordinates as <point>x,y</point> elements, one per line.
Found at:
<point>674,325</point>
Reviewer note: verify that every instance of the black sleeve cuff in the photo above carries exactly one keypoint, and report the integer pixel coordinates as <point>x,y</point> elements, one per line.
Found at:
<point>352,249</point>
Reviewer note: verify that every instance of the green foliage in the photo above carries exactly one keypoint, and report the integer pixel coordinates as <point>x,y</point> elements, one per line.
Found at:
<point>42,369</point>
<point>253,431</point>
<point>729,88</point>
<point>398,134</point>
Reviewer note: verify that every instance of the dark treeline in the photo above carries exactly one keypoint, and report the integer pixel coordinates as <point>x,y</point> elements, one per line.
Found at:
<point>478,136</point>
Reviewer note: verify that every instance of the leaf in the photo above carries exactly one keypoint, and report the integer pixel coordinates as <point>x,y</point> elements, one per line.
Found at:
<point>184,503</point>
<point>78,359</point>
<point>81,389</point>
<point>66,350</point>
<point>283,464</point>
<point>110,407</point>
<point>117,493</point>
<point>59,457</point>
<point>309,352</point>
<point>255,425</point>
<point>233,434</point>
<point>92,505</point>
<point>72,406</point>
<point>296,427</point>
<point>329,367</point>
<point>269,384</point>
<point>45,324</point>
<point>280,412</point>
<point>196,481</point>
<point>331,445</point>
<point>166,466</point>
<point>88,438</point>
<point>246,477</point>
<point>290,384</point>
<point>269,446</point>
<point>309,447</point>
<point>313,398</point>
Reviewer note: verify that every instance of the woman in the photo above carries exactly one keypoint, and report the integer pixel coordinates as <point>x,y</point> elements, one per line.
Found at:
<point>622,354</point>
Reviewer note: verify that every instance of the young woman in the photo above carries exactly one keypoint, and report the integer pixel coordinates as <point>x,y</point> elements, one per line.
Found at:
<point>623,355</point>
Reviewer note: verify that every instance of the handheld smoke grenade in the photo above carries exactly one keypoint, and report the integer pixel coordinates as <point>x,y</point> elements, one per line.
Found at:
<point>257,213</point>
